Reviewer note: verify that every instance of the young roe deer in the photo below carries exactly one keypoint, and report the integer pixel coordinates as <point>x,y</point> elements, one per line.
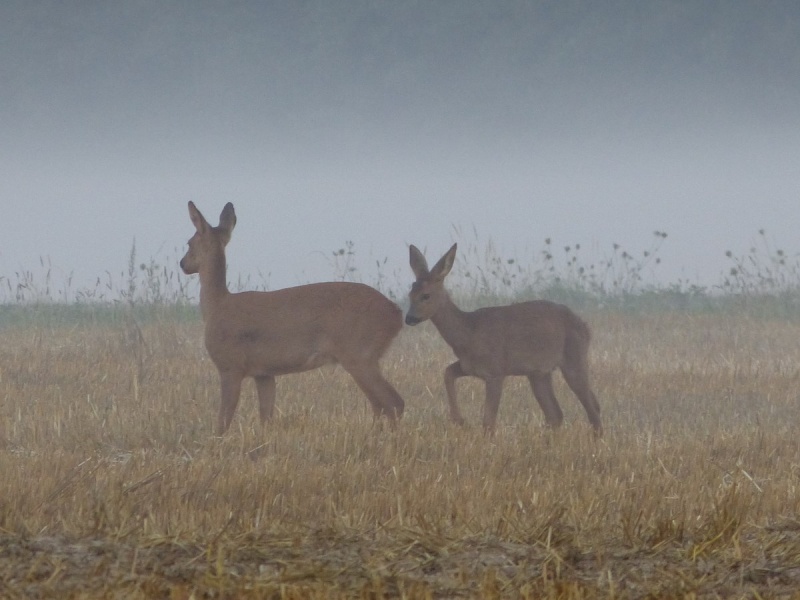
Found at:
<point>265,334</point>
<point>530,338</point>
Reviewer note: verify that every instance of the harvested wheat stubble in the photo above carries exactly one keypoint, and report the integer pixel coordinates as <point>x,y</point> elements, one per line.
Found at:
<point>114,486</point>
<point>399,561</point>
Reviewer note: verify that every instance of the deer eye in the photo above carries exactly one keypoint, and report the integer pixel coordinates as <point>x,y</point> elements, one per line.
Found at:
<point>425,297</point>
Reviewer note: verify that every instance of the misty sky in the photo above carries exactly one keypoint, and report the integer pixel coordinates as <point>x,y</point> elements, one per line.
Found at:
<point>388,123</point>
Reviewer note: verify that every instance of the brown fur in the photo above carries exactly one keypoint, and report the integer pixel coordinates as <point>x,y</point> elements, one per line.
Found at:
<point>530,338</point>
<point>265,334</point>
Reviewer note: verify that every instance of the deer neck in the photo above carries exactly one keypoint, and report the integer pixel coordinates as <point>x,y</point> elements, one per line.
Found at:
<point>213,283</point>
<point>453,324</point>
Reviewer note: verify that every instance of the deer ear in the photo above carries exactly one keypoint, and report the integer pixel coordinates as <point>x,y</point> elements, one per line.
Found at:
<point>227,221</point>
<point>197,218</point>
<point>442,268</point>
<point>227,218</point>
<point>417,261</point>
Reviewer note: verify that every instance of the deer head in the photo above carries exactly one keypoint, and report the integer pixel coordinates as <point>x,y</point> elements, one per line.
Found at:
<point>427,293</point>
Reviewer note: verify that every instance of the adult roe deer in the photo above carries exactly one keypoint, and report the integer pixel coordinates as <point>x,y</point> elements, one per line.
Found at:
<point>264,334</point>
<point>529,338</point>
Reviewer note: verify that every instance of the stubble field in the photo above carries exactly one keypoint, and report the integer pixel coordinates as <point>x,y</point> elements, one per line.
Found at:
<point>113,484</point>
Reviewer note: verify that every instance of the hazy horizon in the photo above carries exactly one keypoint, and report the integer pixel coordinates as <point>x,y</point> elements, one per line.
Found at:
<point>389,123</point>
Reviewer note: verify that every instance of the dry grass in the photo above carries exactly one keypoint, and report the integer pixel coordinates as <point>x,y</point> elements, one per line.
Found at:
<point>113,485</point>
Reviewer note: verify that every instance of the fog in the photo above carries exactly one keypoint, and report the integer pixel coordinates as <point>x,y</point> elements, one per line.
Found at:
<point>389,123</point>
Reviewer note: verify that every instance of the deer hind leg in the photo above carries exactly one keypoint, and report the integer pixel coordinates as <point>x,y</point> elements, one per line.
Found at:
<point>265,386</point>
<point>542,385</point>
<point>494,390</point>
<point>452,373</point>
<point>576,374</point>
<point>381,394</point>
<point>231,387</point>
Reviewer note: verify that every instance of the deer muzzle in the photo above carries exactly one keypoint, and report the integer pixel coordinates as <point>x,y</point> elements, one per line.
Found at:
<point>412,320</point>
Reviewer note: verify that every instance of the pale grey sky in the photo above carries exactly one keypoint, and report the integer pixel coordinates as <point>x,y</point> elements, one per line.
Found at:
<point>388,123</point>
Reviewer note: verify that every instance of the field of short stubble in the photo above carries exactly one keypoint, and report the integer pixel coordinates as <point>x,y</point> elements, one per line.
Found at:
<point>113,484</point>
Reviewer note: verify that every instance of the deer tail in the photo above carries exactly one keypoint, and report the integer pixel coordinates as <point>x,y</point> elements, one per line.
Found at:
<point>578,327</point>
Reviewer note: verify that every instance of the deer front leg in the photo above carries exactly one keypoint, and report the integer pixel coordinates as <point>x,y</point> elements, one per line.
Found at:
<point>265,386</point>
<point>494,390</point>
<point>452,373</point>
<point>231,387</point>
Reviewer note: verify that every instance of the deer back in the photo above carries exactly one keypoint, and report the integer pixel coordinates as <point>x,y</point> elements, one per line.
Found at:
<point>518,339</point>
<point>300,328</point>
